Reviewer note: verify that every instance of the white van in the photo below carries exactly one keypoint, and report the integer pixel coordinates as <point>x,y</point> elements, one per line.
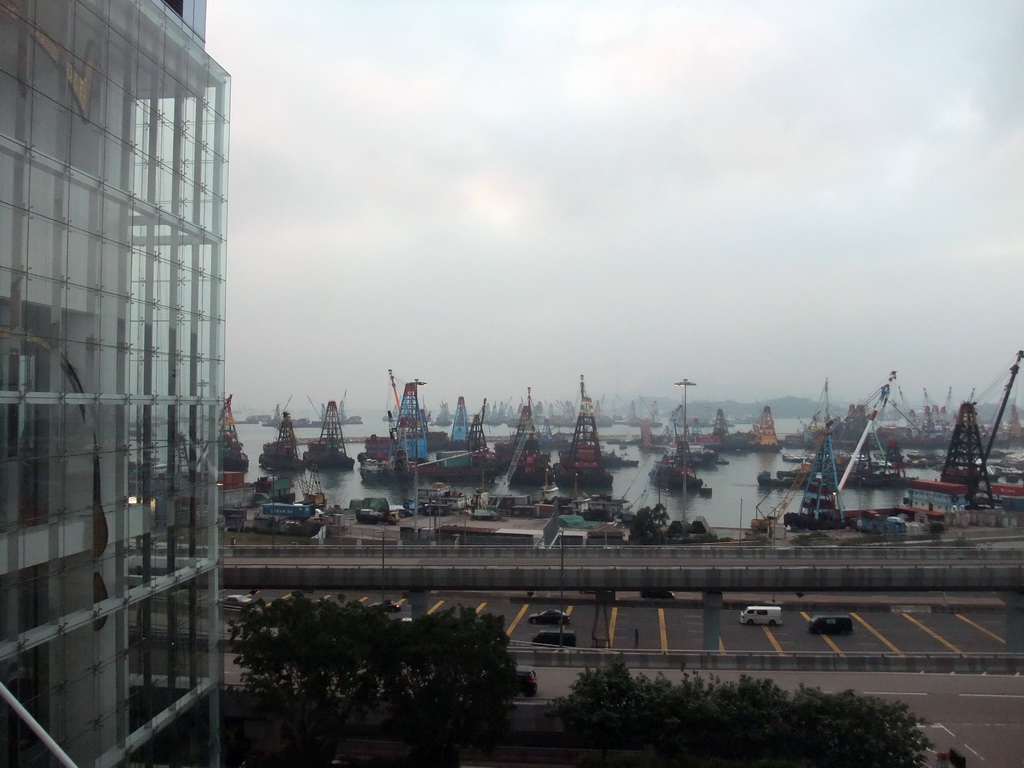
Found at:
<point>761,614</point>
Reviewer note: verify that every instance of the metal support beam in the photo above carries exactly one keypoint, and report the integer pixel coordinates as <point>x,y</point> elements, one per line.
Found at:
<point>712,628</point>
<point>26,717</point>
<point>1015,622</point>
<point>418,602</point>
<point>601,632</point>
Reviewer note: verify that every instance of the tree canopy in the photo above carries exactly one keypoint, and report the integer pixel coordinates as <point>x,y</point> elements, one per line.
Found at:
<point>748,720</point>
<point>314,664</point>
<point>441,681</point>
<point>454,683</point>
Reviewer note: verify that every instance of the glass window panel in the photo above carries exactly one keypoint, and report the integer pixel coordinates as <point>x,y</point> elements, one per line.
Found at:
<point>87,141</point>
<point>43,193</point>
<point>51,125</point>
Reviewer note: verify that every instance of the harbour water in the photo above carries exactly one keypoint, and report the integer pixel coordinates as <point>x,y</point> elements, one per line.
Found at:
<point>734,497</point>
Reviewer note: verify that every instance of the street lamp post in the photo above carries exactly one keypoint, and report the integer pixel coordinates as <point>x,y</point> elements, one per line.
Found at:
<point>382,571</point>
<point>685,383</point>
<point>561,588</point>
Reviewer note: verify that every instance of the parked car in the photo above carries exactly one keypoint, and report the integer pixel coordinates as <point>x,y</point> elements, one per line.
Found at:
<point>830,624</point>
<point>391,606</point>
<point>657,594</point>
<point>236,601</point>
<point>565,638</point>
<point>550,616</point>
<point>761,614</point>
<point>527,680</point>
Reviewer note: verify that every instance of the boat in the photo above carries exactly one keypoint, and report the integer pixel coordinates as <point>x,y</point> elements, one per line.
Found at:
<point>476,463</point>
<point>444,416</point>
<point>616,461</point>
<point>582,462</point>
<point>329,451</point>
<point>282,455</point>
<point>675,471</point>
<point>525,462</point>
<point>821,507</point>
<point>389,459</point>
<point>783,478</point>
<point>763,436</point>
<point>343,417</point>
<point>232,457</point>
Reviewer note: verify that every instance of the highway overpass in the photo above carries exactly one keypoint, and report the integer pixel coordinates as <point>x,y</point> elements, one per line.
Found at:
<point>711,570</point>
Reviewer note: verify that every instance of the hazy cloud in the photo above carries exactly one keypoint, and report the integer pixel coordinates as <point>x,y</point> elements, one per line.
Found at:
<point>491,196</point>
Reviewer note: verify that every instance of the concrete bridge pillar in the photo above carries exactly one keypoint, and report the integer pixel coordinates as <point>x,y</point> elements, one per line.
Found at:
<point>1015,622</point>
<point>712,624</point>
<point>418,602</point>
<point>600,633</point>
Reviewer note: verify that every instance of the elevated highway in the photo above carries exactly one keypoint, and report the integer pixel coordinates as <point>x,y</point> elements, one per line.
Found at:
<point>710,570</point>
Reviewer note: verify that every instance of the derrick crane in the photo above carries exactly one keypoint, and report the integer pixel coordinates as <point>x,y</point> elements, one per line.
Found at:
<point>883,398</point>
<point>966,459</point>
<point>766,520</point>
<point>1014,370</point>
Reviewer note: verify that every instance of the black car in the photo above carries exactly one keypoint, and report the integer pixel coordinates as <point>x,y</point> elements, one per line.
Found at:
<point>527,680</point>
<point>550,616</point>
<point>657,594</point>
<point>387,605</point>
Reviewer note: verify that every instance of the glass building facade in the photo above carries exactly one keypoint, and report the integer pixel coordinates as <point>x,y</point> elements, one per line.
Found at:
<point>113,175</point>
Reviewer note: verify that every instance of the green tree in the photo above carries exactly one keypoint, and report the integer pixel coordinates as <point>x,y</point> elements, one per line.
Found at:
<point>609,708</point>
<point>314,664</point>
<point>450,683</point>
<point>649,525</point>
<point>848,730</point>
<point>746,721</point>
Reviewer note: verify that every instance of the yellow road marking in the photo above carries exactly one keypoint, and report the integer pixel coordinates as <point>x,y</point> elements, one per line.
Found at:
<point>437,605</point>
<point>912,620</point>
<point>515,621</point>
<point>826,638</point>
<point>771,638</point>
<point>363,599</point>
<point>662,629</point>
<point>878,634</point>
<point>980,628</point>
<point>611,628</point>
<point>325,597</point>
<point>285,597</point>
<point>480,607</point>
<point>721,646</point>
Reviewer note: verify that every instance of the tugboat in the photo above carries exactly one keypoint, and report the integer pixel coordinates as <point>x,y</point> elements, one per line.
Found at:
<point>232,458</point>
<point>581,463</point>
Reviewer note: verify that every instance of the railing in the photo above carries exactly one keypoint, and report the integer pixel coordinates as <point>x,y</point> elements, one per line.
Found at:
<point>802,661</point>
<point>690,553</point>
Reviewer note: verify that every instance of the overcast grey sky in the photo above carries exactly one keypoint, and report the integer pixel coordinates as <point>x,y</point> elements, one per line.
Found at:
<point>494,195</point>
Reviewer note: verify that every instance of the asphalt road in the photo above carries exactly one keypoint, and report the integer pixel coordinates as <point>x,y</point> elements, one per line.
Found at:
<point>892,627</point>
<point>981,716</point>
